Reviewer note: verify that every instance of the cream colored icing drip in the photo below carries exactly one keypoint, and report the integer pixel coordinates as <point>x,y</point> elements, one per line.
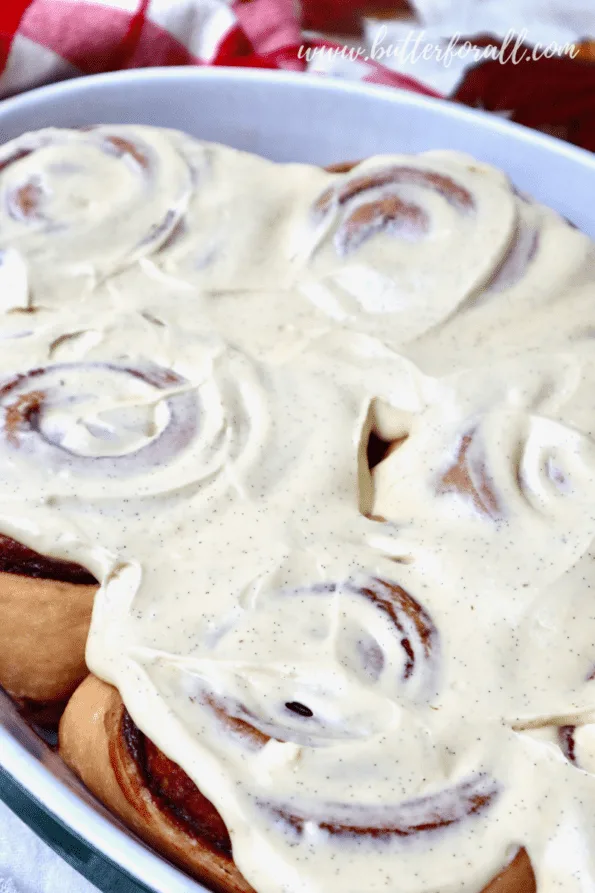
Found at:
<point>196,344</point>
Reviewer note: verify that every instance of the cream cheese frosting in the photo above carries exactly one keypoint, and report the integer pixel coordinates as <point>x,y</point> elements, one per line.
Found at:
<point>382,679</point>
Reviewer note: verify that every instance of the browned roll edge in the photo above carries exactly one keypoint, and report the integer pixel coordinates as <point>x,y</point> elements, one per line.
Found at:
<point>518,877</point>
<point>43,633</point>
<point>341,167</point>
<point>95,743</point>
<point>15,558</point>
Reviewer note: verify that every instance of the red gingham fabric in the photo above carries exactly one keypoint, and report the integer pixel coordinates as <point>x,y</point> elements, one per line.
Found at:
<point>47,40</point>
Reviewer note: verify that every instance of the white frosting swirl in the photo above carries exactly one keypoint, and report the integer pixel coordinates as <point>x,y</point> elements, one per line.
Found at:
<point>62,191</point>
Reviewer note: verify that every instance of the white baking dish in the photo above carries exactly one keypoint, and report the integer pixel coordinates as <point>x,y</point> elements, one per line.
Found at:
<point>285,117</point>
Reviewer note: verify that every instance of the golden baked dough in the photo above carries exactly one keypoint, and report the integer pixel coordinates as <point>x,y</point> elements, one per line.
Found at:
<point>92,743</point>
<point>43,633</point>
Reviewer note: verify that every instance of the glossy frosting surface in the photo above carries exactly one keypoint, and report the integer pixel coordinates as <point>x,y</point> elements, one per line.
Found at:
<point>382,680</point>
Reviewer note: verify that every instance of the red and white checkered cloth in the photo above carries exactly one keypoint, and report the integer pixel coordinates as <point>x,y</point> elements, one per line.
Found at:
<point>49,40</point>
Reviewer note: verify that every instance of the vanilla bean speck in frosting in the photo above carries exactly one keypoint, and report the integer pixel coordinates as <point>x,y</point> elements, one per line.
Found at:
<point>381,677</point>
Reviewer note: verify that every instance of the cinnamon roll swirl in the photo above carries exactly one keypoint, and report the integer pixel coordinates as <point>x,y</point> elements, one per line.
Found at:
<point>497,455</point>
<point>390,212</point>
<point>95,420</point>
<point>383,639</point>
<point>158,801</point>
<point>381,655</point>
<point>525,248</point>
<point>381,220</point>
<point>56,210</point>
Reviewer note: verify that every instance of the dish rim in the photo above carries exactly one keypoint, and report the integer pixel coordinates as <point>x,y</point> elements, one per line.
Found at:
<point>223,73</point>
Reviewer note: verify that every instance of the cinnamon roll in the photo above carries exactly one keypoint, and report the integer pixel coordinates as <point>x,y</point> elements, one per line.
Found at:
<point>56,211</point>
<point>286,735</point>
<point>158,801</point>
<point>489,461</point>
<point>153,796</point>
<point>383,219</point>
<point>95,421</point>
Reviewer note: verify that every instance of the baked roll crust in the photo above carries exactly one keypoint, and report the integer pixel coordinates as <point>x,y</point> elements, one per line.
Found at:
<point>46,606</point>
<point>153,796</point>
<point>517,878</point>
